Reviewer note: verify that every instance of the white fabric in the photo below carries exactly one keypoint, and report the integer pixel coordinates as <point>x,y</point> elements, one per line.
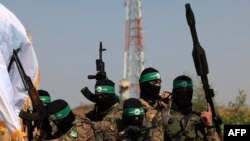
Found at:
<point>13,35</point>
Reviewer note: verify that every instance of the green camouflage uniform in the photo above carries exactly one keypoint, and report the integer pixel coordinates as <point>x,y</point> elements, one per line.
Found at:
<point>152,114</point>
<point>113,113</point>
<point>179,127</point>
<point>85,130</point>
<point>108,129</point>
<point>152,110</point>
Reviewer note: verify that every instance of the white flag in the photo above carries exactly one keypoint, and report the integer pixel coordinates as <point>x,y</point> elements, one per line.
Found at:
<point>13,35</point>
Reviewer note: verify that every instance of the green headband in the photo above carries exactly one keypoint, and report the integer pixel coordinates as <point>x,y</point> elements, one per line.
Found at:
<point>105,89</point>
<point>133,111</point>
<point>150,76</point>
<point>182,84</point>
<point>45,99</point>
<point>61,114</point>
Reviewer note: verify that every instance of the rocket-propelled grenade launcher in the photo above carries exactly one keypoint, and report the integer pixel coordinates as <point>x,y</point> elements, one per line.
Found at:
<point>201,65</point>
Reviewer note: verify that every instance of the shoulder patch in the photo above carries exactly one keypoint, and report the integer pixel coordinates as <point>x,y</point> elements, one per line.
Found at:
<point>150,114</point>
<point>73,133</point>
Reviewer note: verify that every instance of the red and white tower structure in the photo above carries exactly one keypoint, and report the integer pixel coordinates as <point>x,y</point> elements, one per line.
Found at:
<point>133,56</point>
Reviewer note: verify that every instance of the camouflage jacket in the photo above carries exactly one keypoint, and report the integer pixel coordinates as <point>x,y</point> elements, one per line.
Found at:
<point>111,114</point>
<point>179,127</point>
<point>85,130</point>
<point>152,110</point>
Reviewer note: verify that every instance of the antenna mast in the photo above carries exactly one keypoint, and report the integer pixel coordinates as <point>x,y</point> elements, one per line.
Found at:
<point>133,53</point>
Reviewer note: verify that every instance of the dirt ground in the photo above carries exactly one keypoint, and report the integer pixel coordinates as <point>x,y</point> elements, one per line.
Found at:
<point>82,110</point>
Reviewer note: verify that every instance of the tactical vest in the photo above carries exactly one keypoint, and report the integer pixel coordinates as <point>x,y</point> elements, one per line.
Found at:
<point>184,128</point>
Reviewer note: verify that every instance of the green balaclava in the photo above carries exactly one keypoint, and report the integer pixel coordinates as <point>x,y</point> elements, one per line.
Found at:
<point>44,96</point>
<point>183,93</point>
<point>148,91</point>
<point>105,87</point>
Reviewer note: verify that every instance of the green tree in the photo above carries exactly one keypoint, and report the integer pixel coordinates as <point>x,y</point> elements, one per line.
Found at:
<point>240,101</point>
<point>199,100</point>
<point>237,111</point>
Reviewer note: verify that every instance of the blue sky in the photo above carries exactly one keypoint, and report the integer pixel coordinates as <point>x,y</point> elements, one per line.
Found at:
<point>66,36</point>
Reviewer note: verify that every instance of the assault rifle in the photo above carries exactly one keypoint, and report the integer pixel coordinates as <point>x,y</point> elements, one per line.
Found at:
<point>137,129</point>
<point>134,132</point>
<point>100,66</point>
<point>40,116</point>
<point>101,74</point>
<point>201,66</point>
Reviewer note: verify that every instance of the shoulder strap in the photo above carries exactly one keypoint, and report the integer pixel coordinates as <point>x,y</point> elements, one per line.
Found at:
<point>166,114</point>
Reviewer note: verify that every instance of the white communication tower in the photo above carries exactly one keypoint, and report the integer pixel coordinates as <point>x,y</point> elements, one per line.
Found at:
<point>133,52</point>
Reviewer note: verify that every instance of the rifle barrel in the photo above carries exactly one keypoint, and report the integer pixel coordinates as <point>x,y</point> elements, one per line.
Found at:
<point>100,51</point>
<point>20,68</point>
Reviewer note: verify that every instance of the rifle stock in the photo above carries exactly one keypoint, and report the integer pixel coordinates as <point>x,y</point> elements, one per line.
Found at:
<point>201,66</point>
<point>88,94</point>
